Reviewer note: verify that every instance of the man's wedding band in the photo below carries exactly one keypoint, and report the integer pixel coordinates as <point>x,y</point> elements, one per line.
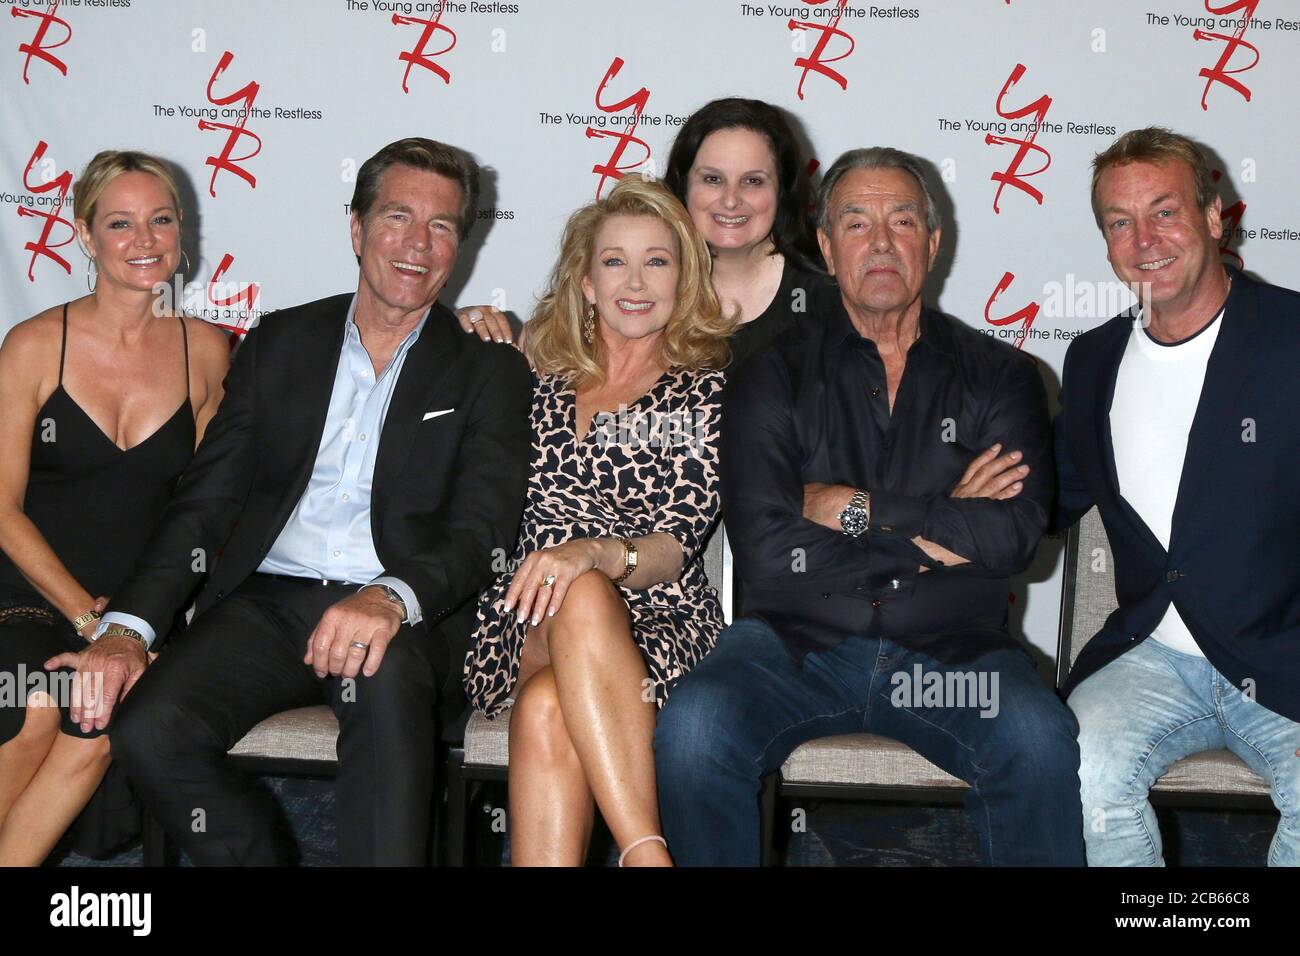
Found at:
<point>360,645</point>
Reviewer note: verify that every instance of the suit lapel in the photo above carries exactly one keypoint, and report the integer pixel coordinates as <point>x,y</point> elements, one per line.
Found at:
<point>1217,421</point>
<point>1112,356</point>
<point>423,373</point>
<point>308,386</point>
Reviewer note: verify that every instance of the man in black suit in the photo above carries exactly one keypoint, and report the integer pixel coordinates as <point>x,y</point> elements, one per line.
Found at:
<point>341,513</point>
<point>1179,422</point>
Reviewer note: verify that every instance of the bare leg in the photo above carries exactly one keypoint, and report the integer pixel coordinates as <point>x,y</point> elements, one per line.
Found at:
<point>601,682</point>
<point>52,799</point>
<point>21,757</point>
<point>551,806</point>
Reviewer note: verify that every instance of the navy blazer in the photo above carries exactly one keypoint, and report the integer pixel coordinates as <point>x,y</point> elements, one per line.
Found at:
<point>1233,565</point>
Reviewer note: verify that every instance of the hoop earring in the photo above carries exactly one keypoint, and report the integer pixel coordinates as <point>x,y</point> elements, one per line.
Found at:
<point>589,325</point>
<point>90,261</point>
<point>186,257</point>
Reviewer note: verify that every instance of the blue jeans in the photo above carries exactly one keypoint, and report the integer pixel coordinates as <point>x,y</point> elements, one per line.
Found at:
<point>742,710</point>
<point>1151,707</point>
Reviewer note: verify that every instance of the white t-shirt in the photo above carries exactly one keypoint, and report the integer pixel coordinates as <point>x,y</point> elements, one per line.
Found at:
<point>1156,393</point>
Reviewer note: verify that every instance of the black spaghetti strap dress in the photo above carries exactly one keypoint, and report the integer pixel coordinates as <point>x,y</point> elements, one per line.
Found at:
<point>96,505</point>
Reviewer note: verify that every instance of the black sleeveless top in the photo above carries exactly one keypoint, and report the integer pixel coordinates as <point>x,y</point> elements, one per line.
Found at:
<point>96,503</point>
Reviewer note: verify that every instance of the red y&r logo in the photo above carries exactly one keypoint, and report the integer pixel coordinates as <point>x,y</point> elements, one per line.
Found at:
<point>38,47</point>
<point>1012,176</point>
<point>43,246</point>
<point>1230,216</point>
<point>814,62</point>
<point>246,296</point>
<point>418,55</point>
<point>1025,315</point>
<point>245,94</point>
<point>613,169</point>
<point>1220,73</point>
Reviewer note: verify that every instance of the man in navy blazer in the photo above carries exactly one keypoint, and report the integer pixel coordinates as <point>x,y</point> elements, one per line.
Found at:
<point>1179,422</point>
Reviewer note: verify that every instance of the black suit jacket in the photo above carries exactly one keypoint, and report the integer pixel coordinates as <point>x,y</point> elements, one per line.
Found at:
<point>446,492</point>
<point>1233,565</point>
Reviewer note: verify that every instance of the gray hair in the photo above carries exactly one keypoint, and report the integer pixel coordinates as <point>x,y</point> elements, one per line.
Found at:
<point>875,157</point>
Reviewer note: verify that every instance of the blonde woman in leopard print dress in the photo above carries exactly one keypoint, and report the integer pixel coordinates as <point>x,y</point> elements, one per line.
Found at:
<point>604,605</point>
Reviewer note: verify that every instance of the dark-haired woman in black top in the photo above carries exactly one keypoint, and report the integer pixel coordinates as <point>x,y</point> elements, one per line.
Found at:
<point>738,169</point>
<point>102,402</point>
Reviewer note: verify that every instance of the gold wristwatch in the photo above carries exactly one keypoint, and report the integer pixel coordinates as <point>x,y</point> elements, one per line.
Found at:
<point>629,560</point>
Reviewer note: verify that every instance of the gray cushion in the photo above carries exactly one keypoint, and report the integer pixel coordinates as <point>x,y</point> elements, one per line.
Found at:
<point>1094,583</point>
<point>487,742</point>
<point>1214,771</point>
<point>869,760</point>
<point>308,733</point>
<point>713,558</point>
<point>864,759</point>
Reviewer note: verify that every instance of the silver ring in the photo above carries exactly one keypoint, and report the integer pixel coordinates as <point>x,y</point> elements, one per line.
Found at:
<point>475,316</point>
<point>548,580</point>
<point>360,645</point>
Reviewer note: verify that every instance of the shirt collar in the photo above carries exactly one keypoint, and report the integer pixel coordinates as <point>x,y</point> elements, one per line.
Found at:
<point>353,334</point>
<point>840,328</point>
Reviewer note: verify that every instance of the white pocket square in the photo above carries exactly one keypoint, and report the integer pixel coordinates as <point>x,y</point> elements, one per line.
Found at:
<point>428,415</point>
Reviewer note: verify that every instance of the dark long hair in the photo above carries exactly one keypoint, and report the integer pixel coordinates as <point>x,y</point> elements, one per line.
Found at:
<point>791,229</point>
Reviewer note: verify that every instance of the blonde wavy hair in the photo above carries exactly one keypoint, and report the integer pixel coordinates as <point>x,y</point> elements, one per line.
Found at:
<point>697,331</point>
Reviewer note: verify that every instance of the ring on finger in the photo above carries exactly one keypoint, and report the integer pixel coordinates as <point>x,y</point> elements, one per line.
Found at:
<point>475,316</point>
<point>360,644</point>
<point>548,580</point>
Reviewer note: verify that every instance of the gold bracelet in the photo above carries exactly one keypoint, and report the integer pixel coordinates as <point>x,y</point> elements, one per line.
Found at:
<point>629,559</point>
<point>83,619</point>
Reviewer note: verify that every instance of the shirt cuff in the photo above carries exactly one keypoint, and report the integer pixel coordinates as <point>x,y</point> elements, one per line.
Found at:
<point>126,620</point>
<point>894,566</point>
<point>414,614</point>
<point>893,513</point>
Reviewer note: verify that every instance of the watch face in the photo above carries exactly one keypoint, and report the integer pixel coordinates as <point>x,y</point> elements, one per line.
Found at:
<point>853,521</point>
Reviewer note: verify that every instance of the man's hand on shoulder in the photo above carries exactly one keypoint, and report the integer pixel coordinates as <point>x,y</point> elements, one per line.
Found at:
<point>353,635</point>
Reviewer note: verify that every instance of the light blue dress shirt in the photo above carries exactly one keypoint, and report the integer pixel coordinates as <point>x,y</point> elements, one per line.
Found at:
<point>327,536</point>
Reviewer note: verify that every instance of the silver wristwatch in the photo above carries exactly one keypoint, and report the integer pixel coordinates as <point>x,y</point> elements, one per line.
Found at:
<point>121,630</point>
<point>856,515</point>
<point>395,598</point>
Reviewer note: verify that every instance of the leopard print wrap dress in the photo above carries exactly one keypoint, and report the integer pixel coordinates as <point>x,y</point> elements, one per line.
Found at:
<point>651,467</point>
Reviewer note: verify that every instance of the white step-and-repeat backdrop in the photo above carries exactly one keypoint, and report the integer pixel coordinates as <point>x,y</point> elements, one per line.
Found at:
<point>268,108</point>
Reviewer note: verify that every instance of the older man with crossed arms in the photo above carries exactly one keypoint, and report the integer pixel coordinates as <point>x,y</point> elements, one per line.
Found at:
<point>881,481</point>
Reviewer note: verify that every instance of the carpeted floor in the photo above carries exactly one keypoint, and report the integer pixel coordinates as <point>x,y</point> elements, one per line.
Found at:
<point>829,833</point>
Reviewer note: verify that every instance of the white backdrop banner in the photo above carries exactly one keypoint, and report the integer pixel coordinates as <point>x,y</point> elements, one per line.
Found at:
<point>268,108</point>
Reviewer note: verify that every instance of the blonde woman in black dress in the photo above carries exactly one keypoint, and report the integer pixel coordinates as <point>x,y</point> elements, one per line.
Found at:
<point>102,402</point>
<point>604,605</point>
